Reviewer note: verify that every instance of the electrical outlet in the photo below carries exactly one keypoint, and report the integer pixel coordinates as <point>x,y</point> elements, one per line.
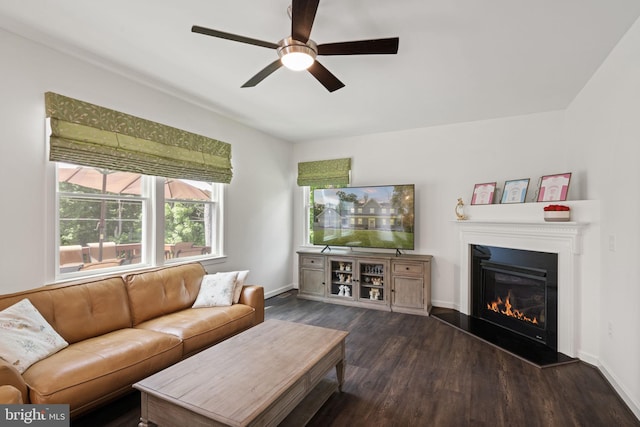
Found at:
<point>610,329</point>
<point>612,243</point>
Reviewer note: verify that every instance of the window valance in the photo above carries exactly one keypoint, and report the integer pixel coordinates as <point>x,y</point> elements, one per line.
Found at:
<point>90,135</point>
<point>324,172</point>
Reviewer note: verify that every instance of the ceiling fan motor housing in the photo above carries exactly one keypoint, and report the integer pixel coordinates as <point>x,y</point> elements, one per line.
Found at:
<point>299,56</point>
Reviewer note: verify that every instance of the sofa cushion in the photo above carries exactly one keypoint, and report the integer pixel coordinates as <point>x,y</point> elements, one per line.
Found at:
<point>162,291</point>
<point>216,290</point>
<point>78,311</point>
<point>241,280</point>
<point>25,336</point>
<point>9,395</point>
<point>10,376</point>
<point>90,370</point>
<point>202,327</point>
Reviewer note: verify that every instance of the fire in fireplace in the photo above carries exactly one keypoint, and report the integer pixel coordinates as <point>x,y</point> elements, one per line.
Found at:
<point>516,290</point>
<point>506,308</point>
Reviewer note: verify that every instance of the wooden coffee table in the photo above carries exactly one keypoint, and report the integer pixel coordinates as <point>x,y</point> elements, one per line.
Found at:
<point>274,372</point>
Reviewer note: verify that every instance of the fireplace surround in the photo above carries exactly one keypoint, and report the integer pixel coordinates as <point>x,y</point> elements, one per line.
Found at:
<point>561,239</point>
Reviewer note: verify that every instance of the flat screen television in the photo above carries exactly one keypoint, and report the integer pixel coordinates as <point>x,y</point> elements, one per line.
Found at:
<point>365,217</point>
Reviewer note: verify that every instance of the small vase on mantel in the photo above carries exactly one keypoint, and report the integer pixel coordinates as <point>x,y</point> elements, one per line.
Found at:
<point>460,216</point>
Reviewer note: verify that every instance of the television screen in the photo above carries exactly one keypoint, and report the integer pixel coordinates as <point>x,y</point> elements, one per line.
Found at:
<point>367,217</point>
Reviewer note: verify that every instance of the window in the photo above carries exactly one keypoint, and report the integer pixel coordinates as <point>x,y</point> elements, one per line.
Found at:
<point>190,217</point>
<point>320,174</point>
<point>312,211</point>
<point>372,210</point>
<point>105,219</point>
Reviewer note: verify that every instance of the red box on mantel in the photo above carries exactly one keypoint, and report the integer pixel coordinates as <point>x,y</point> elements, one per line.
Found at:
<point>557,213</point>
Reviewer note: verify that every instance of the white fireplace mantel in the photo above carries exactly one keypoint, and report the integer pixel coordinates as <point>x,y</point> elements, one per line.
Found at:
<point>562,238</point>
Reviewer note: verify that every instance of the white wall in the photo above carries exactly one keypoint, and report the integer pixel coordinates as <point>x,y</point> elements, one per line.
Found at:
<point>444,163</point>
<point>597,139</point>
<point>603,137</point>
<point>259,193</point>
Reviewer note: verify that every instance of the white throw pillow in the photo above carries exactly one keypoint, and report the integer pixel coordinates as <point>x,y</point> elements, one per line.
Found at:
<point>240,282</point>
<point>216,290</point>
<point>26,337</point>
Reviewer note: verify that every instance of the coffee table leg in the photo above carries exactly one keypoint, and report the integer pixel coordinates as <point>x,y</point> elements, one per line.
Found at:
<point>340,373</point>
<point>144,421</point>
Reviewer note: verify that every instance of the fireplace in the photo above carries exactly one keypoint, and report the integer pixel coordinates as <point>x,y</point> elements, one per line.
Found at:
<point>564,240</point>
<point>516,290</point>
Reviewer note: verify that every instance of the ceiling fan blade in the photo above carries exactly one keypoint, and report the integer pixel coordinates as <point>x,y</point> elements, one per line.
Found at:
<point>264,73</point>
<point>325,77</point>
<point>361,47</point>
<point>233,37</point>
<point>303,12</point>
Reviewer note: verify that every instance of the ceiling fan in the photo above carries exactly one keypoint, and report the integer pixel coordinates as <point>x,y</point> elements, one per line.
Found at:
<point>298,52</point>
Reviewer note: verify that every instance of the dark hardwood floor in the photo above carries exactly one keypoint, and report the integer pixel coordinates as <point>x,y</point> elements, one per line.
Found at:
<point>405,370</point>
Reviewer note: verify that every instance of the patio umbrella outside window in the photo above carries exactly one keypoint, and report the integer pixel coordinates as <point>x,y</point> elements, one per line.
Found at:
<point>115,182</point>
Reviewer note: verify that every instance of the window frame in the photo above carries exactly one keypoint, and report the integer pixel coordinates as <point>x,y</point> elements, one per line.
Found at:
<point>306,224</point>
<point>153,228</point>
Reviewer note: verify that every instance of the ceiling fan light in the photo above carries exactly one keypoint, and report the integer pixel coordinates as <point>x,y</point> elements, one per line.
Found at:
<point>295,55</point>
<point>297,61</point>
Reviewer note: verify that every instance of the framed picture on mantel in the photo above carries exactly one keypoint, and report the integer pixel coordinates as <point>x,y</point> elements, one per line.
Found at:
<point>554,188</point>
<point>483,193</point>
<point>515,191</point>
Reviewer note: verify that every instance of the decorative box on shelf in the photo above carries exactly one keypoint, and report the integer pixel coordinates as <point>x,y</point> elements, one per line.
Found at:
<point>557,213</point>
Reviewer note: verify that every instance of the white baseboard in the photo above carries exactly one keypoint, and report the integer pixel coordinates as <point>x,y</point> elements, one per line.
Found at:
<point>588,358</point>
<point>445,304</point>
<point>278,291</point>
<point>620,389</point>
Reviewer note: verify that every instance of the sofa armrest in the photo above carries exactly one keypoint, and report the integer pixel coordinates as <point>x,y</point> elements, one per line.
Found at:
<point>9,395</point>
<point>9,376</point>
<point>253,296</point>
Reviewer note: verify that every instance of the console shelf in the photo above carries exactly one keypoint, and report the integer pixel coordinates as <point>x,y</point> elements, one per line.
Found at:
<point>381,281</point>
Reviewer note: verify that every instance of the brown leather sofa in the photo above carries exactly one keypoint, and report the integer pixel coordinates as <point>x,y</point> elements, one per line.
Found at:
<point>121,330</point>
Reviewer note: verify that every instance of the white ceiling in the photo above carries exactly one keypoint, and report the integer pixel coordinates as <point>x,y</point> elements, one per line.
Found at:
<point>459,60</point>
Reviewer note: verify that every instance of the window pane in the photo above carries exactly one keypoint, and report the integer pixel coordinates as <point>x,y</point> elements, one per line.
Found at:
<point>99,233</point>
<point>189,218</point>
<point>313,211</point>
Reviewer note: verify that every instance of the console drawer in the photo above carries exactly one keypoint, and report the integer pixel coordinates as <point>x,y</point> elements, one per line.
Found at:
<point>406,268</point>
<point>312,261</point>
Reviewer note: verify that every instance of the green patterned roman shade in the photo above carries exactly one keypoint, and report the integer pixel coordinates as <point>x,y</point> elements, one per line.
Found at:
<point>324,172</point>
<point>89,135</point>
